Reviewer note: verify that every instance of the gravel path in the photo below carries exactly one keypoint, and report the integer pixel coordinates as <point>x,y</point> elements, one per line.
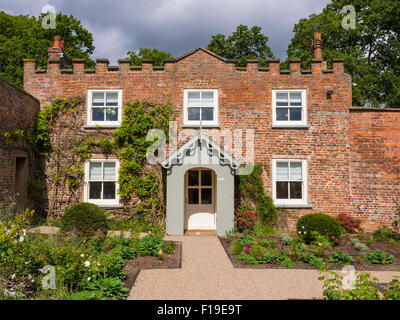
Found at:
<point>208,274</point>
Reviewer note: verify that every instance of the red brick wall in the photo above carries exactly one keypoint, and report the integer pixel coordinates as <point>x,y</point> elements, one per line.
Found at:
<point>244,102</point>
<point>17,111</point>
<point>375,164</point>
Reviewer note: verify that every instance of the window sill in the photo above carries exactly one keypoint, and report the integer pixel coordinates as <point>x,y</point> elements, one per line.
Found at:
<point>93,126</point>
<point>288,126</point>
<point>108,206</point>
<point>294,206</point>
<point>206,126</point>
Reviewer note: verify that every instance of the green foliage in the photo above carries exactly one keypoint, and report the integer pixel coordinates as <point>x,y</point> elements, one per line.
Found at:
<point>359,245</point>
<point>363,288</point>
<point>23,37</point>
<point>85,295</point>
<point>250,189</point>
<point>380,257</point>
<point>256,254</point>
<point>322,223</point>
<point>132,147</point>
<point>371,51</point>
<point>109,287</point>
<point>242,44</point>
<point>340,257</point>
<point>85,218</point>
<point>393,290</point>
<point>384,233</point>
<point>285,238</point>
<point>156,55</point>
<point>150,245</point>
<point>236,247</point>
<point>311,259</point>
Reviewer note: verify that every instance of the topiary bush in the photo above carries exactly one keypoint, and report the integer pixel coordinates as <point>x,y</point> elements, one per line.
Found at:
<point>321,223</point>
<point>85,218</point>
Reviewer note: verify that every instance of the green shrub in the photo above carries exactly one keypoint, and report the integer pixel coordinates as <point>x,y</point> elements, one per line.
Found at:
<point>320,222</point>
<point>385,233</point>
<point>285,238</point>
<point>236,247</point>
<point>380,257</point>
<point>85,218</point>
<point>150,245</point>
<point>340,258</point>
<point>358,245</point>
<point>109,287</point>
<point>85,295</point>
<point>128,253</point>
<point>311,259</point>
<point>245,218</point>
<point>268,243</point>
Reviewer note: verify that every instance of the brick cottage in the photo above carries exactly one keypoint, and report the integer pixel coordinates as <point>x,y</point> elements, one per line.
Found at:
<point>324,155</point>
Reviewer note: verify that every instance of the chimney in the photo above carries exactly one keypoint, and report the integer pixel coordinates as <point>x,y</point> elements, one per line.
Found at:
<point>316,46</point>
<point>56,52</point>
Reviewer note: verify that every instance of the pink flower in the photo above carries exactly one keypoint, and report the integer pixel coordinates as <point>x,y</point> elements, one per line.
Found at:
<point>246,250</point>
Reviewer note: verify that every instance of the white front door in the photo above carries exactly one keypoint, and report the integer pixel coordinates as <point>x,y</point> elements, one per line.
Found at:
<point>200,200</point>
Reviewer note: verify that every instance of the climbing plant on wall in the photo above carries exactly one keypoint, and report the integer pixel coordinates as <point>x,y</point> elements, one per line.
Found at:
<point>62,146</point>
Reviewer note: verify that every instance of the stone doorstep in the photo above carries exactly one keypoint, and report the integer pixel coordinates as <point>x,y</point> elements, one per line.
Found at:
<point>54,230</point>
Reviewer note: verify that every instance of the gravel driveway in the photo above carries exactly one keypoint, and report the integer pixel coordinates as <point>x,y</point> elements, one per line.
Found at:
<point>208,274</point>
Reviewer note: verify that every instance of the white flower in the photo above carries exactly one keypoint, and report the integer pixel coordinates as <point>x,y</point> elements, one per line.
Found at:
<point>320,244</point>
<point>24,232</point>
<point>88,279</point>
<point>305,232</point>
<point>82,255</point>
<point>299,232</point>
<point>87,264</point>
<point>21,238</point>
<point>13,276</point>
<point>302,227</point>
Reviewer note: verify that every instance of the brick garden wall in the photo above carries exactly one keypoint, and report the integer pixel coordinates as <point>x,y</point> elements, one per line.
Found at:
<point>245,98</point>
<point>17,111</point>
<point>375,164</point>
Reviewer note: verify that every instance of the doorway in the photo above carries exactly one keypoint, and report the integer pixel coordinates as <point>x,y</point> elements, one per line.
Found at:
<point>200,199</point>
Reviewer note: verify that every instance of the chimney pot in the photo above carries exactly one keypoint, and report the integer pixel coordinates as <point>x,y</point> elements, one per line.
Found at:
<point>316,46</point>
<point>62,45</point>
<point>57,42</point>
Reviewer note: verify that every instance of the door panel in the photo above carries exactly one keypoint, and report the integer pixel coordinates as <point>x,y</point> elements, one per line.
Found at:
<point>200,199</point>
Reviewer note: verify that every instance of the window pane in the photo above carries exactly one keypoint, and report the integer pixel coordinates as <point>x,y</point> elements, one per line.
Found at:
<point>193,196</point>
<point>295,190</point>
<point>95,171</point>
<point>98,99</point>
<point>94,190</point>
<point>282,114</point>
<point>282,190</point>
<point>207,114</point>
<point>109,171</point>
<point>108,190</point>
<point>194,98</point>
<point>97,114</point>
<point>207,98</point>
<point>206,178</point>
<point>295,98</point>
<point>295,114</point>
<point>295,171</point>
<point>112,114</point>
<point>282,171</point>
<point>282,99</point>
<point>194,113</point>
<point>206,196</point>
<point>112,99</point>
<point>193,178</point>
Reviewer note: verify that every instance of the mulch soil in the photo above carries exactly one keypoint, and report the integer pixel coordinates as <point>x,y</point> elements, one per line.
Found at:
<point>170,261</point>
<point>345,246</point>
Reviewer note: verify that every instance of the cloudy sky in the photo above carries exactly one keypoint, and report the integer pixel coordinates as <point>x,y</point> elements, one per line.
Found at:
<point>176,26</point>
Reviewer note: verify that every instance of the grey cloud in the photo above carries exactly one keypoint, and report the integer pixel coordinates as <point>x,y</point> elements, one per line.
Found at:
<point>176,26</point>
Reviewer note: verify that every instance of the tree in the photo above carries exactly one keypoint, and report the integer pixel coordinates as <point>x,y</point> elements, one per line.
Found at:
<point>23,37</point>
<point>158,56</point>
<point>371,51</point>
<point>242,44</point>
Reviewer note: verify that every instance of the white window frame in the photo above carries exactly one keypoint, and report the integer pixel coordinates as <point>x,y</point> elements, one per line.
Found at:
<point>89,109</point>
<point>186,121</point>
<point>291,202</point>
<point>101,202</point>
<point>290,123</point>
